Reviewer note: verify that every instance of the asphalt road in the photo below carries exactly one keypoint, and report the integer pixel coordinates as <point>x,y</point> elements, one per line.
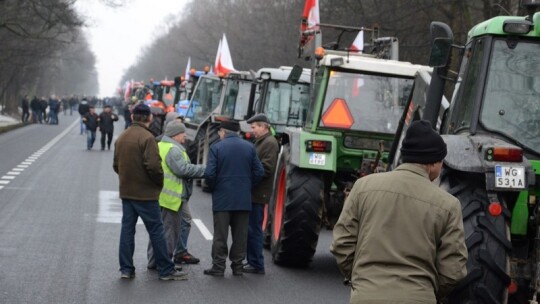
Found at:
<point>59,232</point>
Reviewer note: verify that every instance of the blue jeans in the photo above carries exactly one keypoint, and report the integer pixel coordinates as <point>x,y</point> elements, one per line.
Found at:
<point>150,214</point>
<point>83,126</point>
<point>254,252</point>
<point>90,138</point>
<point>185,228</point>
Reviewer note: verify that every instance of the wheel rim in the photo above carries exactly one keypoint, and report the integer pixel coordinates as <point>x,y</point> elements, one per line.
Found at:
<point>280,199</point>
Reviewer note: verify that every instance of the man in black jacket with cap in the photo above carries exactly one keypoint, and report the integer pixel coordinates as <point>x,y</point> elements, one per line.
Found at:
<point>399,238</point>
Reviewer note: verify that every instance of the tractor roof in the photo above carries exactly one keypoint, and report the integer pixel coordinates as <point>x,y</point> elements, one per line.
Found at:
<point>282,73</point>
<point>494,26</point>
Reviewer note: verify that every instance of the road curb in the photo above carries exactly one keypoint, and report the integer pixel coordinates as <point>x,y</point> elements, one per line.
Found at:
<point>7,128</point>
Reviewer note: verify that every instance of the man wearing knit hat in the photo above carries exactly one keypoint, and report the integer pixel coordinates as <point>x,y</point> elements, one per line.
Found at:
<point>177,169</point>
<point>399,238</point>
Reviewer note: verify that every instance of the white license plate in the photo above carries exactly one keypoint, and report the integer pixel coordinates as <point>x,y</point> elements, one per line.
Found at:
<point>509,177</point>
<point>317,159</point>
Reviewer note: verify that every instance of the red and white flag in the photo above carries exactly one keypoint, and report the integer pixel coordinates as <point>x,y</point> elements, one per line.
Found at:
<point>224,62</point>
<point>311,14</point>
<point>188,68</point>
<point>358,43</point>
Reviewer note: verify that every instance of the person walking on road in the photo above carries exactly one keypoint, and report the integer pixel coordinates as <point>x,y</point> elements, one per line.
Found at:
<point>138,165</point>
<point>399,238</point>
<point>267,149</point>
<point>91,121</point>
<point>25,105</point>
<point>84,108</point>
<point>106,126</point>
<point>232,170</point>
<point>177,168</point>
<point>53,110</point>
<point>35,106</point>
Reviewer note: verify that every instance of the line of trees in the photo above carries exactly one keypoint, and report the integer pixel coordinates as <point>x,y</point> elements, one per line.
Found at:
<point>43,51</point>
<point>264,33</point>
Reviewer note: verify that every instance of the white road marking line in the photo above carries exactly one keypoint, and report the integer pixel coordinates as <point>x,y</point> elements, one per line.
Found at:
<point>202,228</point>
<point>8,177</point>
<point>18,169</point>
<point>13,173</point>
<point>1,187</point>
<point>26,163</point>
<point>22,166</point>
<point>4,182</point>
<point>110,208</point>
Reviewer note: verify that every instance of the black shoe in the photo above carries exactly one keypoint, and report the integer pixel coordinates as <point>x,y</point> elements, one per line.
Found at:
<point>102,148</point>
<point>186,258</point>
<point>250,269</point>
<point>238,272</point>
<point>214,272</point>
<point>127,275</point>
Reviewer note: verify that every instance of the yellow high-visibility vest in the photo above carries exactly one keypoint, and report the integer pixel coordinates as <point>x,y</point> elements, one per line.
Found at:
<point>171,194</point>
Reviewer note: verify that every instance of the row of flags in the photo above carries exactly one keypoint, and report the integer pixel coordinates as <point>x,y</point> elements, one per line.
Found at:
<point>223,63</point>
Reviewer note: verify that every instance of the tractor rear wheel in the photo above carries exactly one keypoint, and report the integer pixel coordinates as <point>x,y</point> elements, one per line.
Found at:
<point>487,240</point>
<point>296,213</point>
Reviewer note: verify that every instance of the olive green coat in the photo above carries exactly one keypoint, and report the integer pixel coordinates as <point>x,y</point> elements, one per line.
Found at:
<point>399,239</point>
<point>138,164</point>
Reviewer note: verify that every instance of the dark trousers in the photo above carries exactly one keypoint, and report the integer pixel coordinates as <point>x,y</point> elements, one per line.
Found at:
<point>238,221</point>
<point>109,139</point>
<point>25,115</point>
<point>254,252</point>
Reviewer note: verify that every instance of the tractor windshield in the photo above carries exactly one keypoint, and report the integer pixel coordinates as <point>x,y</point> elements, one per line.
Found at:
<point>236,100</point>
<point>512,96</point>
<point>204,100</point>
<point>286,104</point>
<point>364,102</point>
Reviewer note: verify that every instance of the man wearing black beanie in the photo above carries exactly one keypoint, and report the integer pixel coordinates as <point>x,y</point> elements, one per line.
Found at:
<point>400,238</point>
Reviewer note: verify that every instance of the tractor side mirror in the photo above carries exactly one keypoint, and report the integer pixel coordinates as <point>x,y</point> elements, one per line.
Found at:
<point>440,52</point>
<point>295,75</point>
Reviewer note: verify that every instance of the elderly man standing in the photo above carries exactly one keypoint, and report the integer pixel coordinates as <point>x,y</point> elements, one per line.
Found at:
<point>138,165</point>
<point>177,168</point>
<point>267,149</point>
<point>233,168</point>
<point>399,238</point>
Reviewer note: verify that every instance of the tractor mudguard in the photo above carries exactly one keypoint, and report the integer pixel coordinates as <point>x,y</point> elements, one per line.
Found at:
<point>468,154</point>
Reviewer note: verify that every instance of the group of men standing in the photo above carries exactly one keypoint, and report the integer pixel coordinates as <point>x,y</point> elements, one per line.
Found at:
<point>156,184</point>
<point>399,239</point>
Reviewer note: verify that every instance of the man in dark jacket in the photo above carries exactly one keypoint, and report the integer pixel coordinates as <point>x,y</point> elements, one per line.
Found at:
<point>84,108</point>
<point>106,126</point>
<point>399,238</point>
<point>232,170</point>
<point>91,121</point>
<point>138,165</point>
<point>25,108</point>
<point>53,110</point>
<point>267,149</point>
<point>36,110</point>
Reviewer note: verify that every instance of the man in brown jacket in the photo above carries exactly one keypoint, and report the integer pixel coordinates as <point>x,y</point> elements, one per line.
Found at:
<point>138,165</point>
<point>267,149</point>
<point>399,238</point>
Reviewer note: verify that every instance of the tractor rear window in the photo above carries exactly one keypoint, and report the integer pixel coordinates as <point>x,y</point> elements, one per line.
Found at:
<point>362,102</point>
<point>512,95</point>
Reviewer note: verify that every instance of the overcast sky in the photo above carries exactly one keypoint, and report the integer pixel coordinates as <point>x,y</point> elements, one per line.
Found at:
<point>117,35</point>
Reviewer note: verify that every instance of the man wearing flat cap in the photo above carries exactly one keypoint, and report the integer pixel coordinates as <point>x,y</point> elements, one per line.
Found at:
<point>267,149</point>
<point>177,168</point>
<point>399,238</point>
<point>138,165</point>
<point>232,170</point>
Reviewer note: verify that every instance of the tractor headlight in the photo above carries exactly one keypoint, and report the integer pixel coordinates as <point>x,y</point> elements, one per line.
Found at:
<point>517,26</point>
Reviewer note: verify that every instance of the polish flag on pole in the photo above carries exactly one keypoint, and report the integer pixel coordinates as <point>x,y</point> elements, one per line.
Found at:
<point>358,43</point>
<point>216,72</point>
<point>224,64</point>
<point>188,67</point>
<point>311,14</point>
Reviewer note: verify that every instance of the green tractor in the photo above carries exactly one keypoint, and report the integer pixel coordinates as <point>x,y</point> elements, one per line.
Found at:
<point>354,107</point>
<point>492,129</point>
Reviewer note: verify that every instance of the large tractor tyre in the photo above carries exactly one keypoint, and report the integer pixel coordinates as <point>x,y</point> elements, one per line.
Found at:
<point>296,213</point>
<point>211,137</point>
<point>487,240</point>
